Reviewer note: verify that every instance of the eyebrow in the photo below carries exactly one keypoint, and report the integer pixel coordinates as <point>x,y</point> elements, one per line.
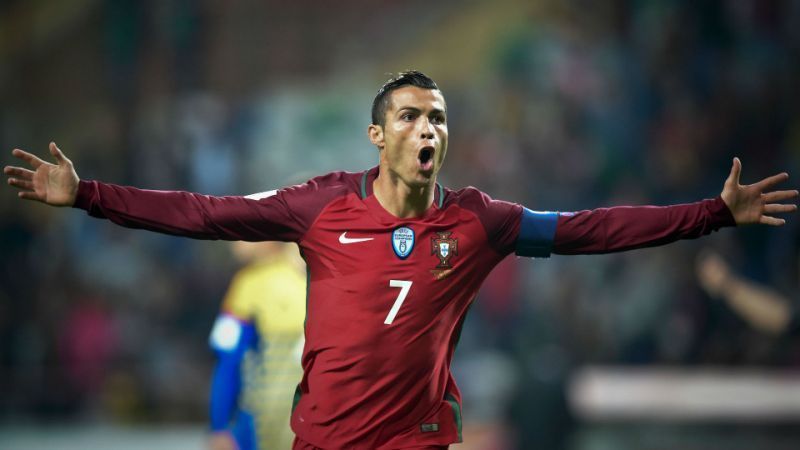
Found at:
<point>417,110</point>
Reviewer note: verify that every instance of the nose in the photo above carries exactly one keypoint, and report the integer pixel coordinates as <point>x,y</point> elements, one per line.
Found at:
<point>427,131</point>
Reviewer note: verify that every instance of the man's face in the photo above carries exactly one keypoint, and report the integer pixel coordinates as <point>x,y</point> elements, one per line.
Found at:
<point>413,142</point>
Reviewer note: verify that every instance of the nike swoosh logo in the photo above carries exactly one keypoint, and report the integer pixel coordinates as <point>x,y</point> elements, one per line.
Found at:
<point>343,239</point>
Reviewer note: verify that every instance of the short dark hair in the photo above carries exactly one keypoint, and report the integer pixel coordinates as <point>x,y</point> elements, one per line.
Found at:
<point>408,78</point>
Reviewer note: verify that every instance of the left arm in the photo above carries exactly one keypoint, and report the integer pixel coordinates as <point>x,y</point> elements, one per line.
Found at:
<point>608,230</point>
<point>617,229</point>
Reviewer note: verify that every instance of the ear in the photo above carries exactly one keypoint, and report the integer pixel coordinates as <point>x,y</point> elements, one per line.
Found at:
<point>375,133</point>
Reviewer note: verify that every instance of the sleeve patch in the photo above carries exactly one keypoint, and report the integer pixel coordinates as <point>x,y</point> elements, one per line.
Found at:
<point>537,231</point>
<point>226,334</point>
<point>260,195</point>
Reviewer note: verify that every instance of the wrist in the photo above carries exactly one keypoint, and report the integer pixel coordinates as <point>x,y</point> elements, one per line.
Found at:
<point>722,213</point>
<point>83,195</point>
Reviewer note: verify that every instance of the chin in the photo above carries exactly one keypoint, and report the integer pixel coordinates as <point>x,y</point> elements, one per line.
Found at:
<point>426,180</point>
<point>420,181</point>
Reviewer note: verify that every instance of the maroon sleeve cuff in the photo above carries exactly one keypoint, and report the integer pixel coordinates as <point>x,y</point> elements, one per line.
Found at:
<point>721,216</point>
<point>83,199</point>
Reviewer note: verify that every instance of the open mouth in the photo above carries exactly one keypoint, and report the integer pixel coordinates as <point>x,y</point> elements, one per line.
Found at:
<point>426,157</point>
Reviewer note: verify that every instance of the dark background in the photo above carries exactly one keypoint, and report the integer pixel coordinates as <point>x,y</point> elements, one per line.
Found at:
<point>557,105</point>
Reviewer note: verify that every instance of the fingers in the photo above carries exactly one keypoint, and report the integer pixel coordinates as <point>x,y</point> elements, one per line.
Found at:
<point>736,171</point>
<point>776,196</point>
<point>27,157</point>
<point>779,196</point>
<point>29,195</point>
<point>55,151</point>
<point>778,208</point>
<point>773,221</point>
<point>22,184</point>
<point>768,182</point>
<point>18,172</point>
<point>22,178</point>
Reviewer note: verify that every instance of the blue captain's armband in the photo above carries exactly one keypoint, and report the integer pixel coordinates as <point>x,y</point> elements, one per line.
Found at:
<point>537,229</point>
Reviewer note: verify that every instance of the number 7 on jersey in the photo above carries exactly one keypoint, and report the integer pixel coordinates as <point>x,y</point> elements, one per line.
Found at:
<point>404,286</point>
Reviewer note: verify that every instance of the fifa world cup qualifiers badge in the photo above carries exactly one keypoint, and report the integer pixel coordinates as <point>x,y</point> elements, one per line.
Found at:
<point>443,247</point>
<point>403,241</point>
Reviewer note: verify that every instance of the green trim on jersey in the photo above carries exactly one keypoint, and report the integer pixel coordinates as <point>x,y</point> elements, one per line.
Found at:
<point>449,397</point>
<point>308,285</point>
<point>297,392</point>
<point>456,413</point>
<point>364,185</point>
<point>460,325</point>
<point>441,195</point>
<point>296,398</point>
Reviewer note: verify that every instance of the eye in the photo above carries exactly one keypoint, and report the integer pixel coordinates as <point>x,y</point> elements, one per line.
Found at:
<point>437,120</point>
<point>408,117</point>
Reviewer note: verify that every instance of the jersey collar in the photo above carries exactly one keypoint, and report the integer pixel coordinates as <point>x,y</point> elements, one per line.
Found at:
<point>369,175</point>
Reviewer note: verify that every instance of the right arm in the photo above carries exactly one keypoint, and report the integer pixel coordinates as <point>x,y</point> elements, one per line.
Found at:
<point>188,214</point>
<point>252,218</point>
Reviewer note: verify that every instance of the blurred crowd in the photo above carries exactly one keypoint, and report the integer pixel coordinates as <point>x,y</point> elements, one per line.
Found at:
<point>557,105</point>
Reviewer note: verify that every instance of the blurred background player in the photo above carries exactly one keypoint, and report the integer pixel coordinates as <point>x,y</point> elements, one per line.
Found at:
<point>760,306</point>
<point>258,339</point>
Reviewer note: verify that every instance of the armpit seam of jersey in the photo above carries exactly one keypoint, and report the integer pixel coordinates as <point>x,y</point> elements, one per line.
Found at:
<point>483,227</point>
<point>320,213</point>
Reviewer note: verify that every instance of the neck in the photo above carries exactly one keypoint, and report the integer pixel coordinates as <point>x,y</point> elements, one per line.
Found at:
<point>400,199</point>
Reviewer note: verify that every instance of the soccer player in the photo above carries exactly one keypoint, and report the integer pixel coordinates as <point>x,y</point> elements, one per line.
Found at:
<point>394,261</point>
<point>258,340</point>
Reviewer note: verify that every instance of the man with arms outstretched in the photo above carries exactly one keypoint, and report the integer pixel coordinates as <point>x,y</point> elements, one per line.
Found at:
<point>394,262</point>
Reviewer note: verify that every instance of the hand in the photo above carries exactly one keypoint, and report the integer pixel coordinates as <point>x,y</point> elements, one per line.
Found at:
<point>751,204</point>
<point>713,272</point>
<point>55,185</point>
<point>222,440</point>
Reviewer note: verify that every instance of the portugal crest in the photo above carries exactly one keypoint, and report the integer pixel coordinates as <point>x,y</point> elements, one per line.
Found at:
<point>443,247</point>
<point>403,242</point>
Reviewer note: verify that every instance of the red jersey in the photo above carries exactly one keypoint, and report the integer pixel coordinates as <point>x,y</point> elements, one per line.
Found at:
<point>386,296</point>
